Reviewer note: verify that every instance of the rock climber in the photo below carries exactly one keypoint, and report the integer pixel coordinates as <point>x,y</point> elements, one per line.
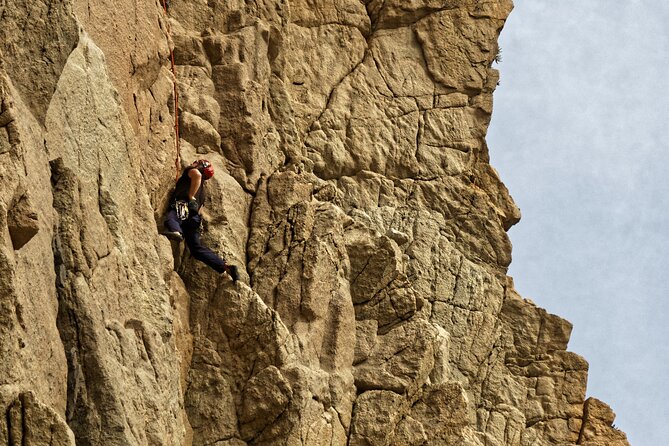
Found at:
<point>183,219</point>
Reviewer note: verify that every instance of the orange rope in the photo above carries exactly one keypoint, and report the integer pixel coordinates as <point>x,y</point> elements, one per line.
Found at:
<point>177,161</point>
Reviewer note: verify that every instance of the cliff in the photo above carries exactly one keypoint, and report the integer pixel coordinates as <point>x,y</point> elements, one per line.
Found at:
<point>352,187</point>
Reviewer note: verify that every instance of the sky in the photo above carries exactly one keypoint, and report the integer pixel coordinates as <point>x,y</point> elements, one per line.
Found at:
<point>579,136</point>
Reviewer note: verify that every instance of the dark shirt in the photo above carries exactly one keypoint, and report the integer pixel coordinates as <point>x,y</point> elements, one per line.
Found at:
<point>183,186</point>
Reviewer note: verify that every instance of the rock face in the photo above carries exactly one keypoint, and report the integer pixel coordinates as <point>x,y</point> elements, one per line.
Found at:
<point>353,188</point>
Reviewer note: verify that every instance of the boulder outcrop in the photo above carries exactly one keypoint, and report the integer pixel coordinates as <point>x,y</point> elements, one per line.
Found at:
<point>353,189</point>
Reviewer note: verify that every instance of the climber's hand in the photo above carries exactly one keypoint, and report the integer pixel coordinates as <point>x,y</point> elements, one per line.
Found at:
<point>193,207</point>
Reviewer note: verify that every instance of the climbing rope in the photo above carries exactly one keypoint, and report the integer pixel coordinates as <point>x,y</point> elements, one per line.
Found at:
<point>177,160</point>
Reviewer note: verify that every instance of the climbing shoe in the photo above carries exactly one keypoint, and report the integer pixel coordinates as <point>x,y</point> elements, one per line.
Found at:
<point>233,271</point>
<point>174,235</point>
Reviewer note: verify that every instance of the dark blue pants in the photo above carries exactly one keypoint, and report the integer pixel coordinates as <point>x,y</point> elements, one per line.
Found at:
<point>190,230</point>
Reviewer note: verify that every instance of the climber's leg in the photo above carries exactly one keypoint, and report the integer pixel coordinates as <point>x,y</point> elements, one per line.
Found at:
<point>197,250</point>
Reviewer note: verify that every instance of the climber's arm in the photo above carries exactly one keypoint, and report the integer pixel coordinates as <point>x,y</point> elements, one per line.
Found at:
<point>195,182</point>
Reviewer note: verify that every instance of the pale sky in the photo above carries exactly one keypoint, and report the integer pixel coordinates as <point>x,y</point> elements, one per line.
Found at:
<point>579,136</point>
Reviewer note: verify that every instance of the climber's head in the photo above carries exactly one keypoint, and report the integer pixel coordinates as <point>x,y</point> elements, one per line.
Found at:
<point>205,168</point>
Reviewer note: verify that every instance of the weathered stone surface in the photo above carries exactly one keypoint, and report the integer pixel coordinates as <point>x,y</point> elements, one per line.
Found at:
<point>444,409</point>
<point>32,353</point>
<point>400,361</point>
<point>598,428</point>
<point>397,13</point>
<point>374,417</point>
<point>460,47</point>
<point>25,420</point>
<point>410,431</point>
<point>313,13</point>
<point>132,36</point>
<point>265,397</point>
<point>199,132</point>
<point>44,34</point>
<point>121,385</point>
<point>353,190</point>
<point>22,220</point>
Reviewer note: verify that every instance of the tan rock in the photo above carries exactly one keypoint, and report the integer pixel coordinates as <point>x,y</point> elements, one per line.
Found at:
<point>32,352</point>
<point>443,409</point>
<point>265,398</point>
<point>396,13</point>
<point>313,13</point>
<point>410,431</point>
<point>100,201</point>
<point>365,339</point>
<point>199,132</point>
<point>401,360</point>
<point>24,37</point>
<point>598,428</point>
<point>301,56</point>
<point>22,221</point>
<point>458,51</point>
<point>188,49</point>
<point>375,416</point>
<point>373,266</point>
<point>353,191</point>
<point>28,421</point>
<point>135,50</point>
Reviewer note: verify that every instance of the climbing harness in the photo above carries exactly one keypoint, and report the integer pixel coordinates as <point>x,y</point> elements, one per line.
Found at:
<point>177,160</point>
<point>182,209</point>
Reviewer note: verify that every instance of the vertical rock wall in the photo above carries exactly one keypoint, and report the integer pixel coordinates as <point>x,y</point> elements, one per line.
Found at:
<point>353,188</point>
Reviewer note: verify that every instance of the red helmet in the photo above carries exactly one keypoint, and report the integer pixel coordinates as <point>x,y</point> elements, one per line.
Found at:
<point>206,168</point>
